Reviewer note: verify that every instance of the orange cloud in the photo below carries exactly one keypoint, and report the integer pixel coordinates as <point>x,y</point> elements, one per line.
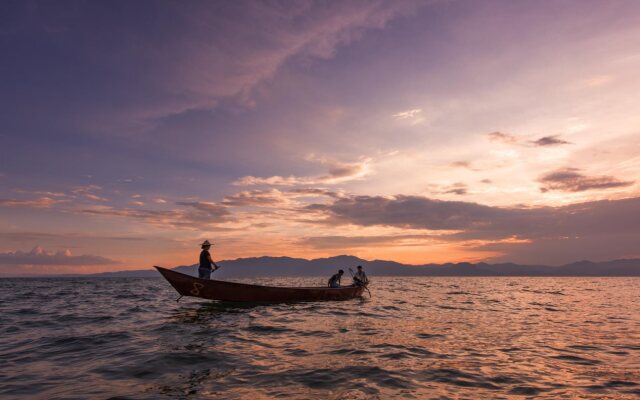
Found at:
<point>338,172</point>
<point>42,202</point>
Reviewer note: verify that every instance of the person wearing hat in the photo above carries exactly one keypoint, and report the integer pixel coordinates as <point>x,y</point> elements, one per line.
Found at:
<point>205,269</point>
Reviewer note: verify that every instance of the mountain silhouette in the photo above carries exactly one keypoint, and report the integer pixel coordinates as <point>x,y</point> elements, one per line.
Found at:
<point>287,266</point>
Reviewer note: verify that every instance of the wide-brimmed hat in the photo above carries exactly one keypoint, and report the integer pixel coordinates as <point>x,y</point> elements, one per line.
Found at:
<point>206,243</point>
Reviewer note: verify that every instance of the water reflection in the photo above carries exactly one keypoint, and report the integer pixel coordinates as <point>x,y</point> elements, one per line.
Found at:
<point>415,338</point>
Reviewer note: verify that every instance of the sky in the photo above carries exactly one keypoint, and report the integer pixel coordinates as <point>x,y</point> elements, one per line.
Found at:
<point>420,132</point>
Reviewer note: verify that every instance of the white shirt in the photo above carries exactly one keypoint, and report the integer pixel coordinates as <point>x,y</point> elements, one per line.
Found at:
<point>362,276</point>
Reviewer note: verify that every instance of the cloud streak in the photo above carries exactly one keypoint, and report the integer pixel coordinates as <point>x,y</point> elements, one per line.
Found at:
<point>413,116</point>
<point>336,242</point>
<point>507,138</point>
<point>259,198</point>
<point>38,256</point>
<point>501,137</point>
<point>191,214</point>
<point>571,180</point>
<point>42,202</point>
<point>547,141</point>
<point>338,172</point>
<point>458,188</point>
<point>198,55</point>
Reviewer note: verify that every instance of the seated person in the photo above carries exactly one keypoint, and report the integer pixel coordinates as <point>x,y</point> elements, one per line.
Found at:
<point>360,278</point>
<point>334,281</point>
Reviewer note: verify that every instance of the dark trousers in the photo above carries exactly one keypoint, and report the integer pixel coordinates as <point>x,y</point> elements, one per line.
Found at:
<point>204,273</point>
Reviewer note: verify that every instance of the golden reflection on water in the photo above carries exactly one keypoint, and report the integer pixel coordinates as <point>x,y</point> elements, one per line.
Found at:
<point>415,338</point>
<point>447,335</point>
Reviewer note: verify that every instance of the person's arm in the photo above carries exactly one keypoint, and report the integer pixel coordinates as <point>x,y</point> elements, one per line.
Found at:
<point>212,262</point>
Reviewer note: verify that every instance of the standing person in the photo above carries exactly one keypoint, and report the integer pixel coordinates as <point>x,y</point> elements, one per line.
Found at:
<point>334,281</point>
<point>205,270</point>
<point>360,278</point>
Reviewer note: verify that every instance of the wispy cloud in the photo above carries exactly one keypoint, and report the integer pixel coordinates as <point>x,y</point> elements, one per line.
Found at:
<point>461,164</point>
<point>262,198</point>
<point>94,197</point>
<point>339,242</point>
<point>213,53</point>
<point>553,140</point>
<point>598,80</point>
<point>42,202</point>
<point>338,172</point>
<point>85,189</point>
<point>38,256</point>
<point>507,138</point>
<point>191,215</point>
<point>45,193</point>
<point>413,116</point>
<point>314,192</point>
<point>458,188</point>
<point>501,137</point>
<point>407,114</point>
<point>204,209</point>
<point>571,180</point>
<point>274,180</point>
<point>274,198</point>
<point>88,192</point>
<point>24,236</point>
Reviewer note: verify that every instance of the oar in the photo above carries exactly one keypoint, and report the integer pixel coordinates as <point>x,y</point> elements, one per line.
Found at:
<point>352,274</point>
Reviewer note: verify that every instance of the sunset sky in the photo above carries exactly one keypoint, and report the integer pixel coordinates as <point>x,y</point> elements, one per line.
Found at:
<point>420,132</point>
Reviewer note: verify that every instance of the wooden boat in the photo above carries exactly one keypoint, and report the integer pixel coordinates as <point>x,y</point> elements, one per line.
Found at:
<point>188,285</point>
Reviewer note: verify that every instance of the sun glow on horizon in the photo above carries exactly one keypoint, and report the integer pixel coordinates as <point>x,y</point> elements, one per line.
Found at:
<point>415,132</point>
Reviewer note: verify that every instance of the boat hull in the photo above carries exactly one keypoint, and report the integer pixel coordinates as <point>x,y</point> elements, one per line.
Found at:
<point>188,285</point>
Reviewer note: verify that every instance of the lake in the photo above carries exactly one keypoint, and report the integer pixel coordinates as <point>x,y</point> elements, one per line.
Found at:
<point>415,338</point>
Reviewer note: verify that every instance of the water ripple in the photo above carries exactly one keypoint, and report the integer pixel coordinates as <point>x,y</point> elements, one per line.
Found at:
<point>415,338</point>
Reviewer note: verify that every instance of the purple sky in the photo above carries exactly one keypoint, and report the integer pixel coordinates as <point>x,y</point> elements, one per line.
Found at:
<point>421,132</point>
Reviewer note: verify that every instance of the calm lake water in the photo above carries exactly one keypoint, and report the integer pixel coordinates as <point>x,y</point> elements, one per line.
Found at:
<point>416,338</point>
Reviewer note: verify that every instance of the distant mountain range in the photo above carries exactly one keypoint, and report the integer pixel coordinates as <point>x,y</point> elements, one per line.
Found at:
<point>287,266</point>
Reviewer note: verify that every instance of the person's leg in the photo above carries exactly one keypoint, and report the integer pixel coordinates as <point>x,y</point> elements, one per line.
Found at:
<point>204,273</point>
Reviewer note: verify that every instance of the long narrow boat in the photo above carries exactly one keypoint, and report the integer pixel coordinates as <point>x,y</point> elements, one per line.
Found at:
<point>188,285</point>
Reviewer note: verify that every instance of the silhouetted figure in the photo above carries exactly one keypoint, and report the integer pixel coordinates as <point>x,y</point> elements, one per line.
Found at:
<point>334,281</point>
<point>360,278</point>
<point>205,269</point>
